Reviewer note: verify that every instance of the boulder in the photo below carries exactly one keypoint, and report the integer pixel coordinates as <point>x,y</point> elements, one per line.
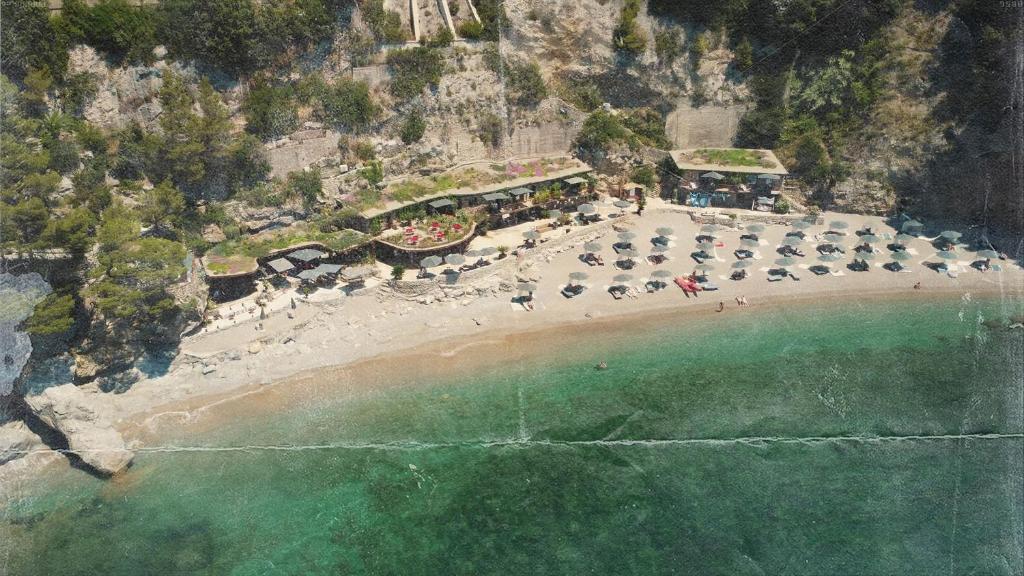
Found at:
<point>16,440</point>
<point>78,413</point>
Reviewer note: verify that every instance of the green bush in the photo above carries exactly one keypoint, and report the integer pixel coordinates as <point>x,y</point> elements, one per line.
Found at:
<point>348,104</point>
<point>525,80</point>
<point>124,31</point>
<point>413,127</point>
<point>385,25</point>
<point>54,315</point>
<point>471,30</point>
<point>270,111</point>
<point>781,207</point>
<point>414,69</point>
<point>600,130</point>
<point>627,36</point>
<point>306,184</point>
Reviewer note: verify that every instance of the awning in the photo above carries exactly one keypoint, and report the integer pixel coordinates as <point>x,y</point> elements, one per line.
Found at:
<point>311,274</point>
<point>355,273</point>
<point>575,181</point>
<point>443,202</point>
<point>306,255</point>
<point>765,201</point>
<point>520,192</point>
<point>321,270</point>
<point>495,196</point>
<point>769,177</point>
<point>280,265</point>
<point>712,175</point>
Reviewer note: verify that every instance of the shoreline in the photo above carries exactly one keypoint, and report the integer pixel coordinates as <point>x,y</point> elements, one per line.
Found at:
<point>527,341</point>
<point>365,333</point>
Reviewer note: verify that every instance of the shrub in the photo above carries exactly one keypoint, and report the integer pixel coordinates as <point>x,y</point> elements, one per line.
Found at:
<point>385,25</point>
<point>413,127</point>
<point>600,130</point>
<point>667,46</point>
<point>627,36</point>
<point>489,130</point>
<point>55,314</point>
<point>348,104</point>
<point>397,271</point>
<point>442,39</point>
<point>525,79</point>
<point>744,54</point>
<point>781,207</point>
<point>270,111</point>
<point>414,69</point>
<point>471,30</point>
<point>306,184</point>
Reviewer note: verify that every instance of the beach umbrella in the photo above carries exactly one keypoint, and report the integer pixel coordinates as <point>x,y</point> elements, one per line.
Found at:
<point>951,235</point>
<point>870,239</point>
<point>903,239</point>
<point>838,225</point>
<point>712,176</point>
<point>627,254</point>
<point>709,228</point>
<point>592,247</point>
<point>797,233</point>
<point>662,273</point>
<point>946,255</point>
<point>472,253</point>
<point>834,238</point>
<point>431,262</point>
<point>455,259</point>
<point>526,287</point>
<point>900,256</point>
<point>586,209</point>
<point>627,236</point>
<point>911,225</point>
<point>792,241</point>
<point>988,254</point>
<point>554,214</point>
<point>531,235</point>
<point>802,224</point>
<point>622,279</point>
<point>487,251</point>
<point>742,264</point>
<point>706,246</point>
<point>865,256</point>
<point>784,262</point>
<point>829,257</point>
<point>664,231</point>
<point>578,276</point>
<point>622,204</point>
<point>659,249</point>
<point>749,243</point>
<point>705,267</point>
<point>755,228</point>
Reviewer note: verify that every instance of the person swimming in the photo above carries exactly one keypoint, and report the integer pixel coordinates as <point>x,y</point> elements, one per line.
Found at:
<point>602,365</point>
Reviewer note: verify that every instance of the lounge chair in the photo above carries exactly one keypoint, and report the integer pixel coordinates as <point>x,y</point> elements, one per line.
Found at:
<point>819,270</point>
<point>708,286</point>
<point>738,275</point>
<point>742,254</point>
<point>617,292</point>
<point>573,290</point>
<point>700,256</point>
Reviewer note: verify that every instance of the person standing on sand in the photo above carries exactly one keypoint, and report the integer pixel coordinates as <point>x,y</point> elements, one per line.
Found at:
<point>721,306</point>
<point>917,286</point>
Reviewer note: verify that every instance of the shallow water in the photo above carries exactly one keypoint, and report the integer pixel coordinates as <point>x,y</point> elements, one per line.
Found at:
<point>768,442</point>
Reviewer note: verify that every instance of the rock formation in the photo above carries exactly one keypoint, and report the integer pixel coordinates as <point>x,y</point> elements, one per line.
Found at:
<point>79,414</point>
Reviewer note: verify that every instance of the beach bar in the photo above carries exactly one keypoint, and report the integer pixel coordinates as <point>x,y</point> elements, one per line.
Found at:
<point>728,177</point>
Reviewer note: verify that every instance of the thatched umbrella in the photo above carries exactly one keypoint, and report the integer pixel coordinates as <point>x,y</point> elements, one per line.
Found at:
<point>664,231</point>
<point>592,247</point>
<point>838,225</point>
<point>586,209</point>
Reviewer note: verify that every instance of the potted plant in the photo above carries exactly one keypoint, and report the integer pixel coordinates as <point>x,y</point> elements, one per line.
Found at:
<point>502,252</point>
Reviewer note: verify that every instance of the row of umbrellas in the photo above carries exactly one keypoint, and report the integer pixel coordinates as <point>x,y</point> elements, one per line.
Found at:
<point>456,259</point>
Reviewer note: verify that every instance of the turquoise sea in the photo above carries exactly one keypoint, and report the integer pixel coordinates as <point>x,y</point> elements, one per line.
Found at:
<point>865,438</point>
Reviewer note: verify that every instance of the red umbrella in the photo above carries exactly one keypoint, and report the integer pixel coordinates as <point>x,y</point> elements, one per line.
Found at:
<point>434,224</point>
<point>457,226</point>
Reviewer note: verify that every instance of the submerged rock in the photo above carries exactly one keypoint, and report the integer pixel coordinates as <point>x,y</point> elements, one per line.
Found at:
<point>76,413</point>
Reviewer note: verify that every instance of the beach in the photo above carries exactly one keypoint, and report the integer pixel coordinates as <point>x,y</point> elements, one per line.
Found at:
<point>331,329</point>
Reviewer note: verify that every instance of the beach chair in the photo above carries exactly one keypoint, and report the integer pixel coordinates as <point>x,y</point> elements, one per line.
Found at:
<point>738,275</point>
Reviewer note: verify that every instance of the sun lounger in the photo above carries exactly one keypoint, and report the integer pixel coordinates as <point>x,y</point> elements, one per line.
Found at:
<point>738,275</point>
<point>708,286</point>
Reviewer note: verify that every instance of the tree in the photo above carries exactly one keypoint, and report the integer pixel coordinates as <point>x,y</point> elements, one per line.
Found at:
<point>54,315</point>
<point>163,204</point>
<point>29,40</point>
<point>744,54</point>
<point>132,286</point>
<point>123,31</point>
<point>600,130</point>
<point>490,129</point>
<point>627,36</point>
<point>63,155</point>
<point>72,232</point>
<point>385,25</point>
<point>397,271</point>
<point>77,91</point>
<point>25,222</point>
<point>118,226</point>
<point>413,127</point>
<point>644,175</point>
<point>37,85</point>
<point>471,30</point>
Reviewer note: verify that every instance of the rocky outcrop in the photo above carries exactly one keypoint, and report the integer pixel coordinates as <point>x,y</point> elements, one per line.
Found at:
<point>16,440</point>
<point>78,413</point>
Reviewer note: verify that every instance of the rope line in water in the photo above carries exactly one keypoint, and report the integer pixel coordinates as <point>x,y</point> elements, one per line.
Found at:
<point>528,443</point>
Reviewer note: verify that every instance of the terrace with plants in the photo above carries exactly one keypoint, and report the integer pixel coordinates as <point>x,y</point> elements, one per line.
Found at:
<point>240,256</point>
<point>731,157</point>
<point>427,232</point>
<point>461,181</point>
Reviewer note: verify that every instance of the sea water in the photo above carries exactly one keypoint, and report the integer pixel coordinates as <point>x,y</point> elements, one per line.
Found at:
<point>866,438</point>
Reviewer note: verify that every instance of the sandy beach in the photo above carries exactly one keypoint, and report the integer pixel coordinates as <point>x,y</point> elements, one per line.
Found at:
<point>428,321</point>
